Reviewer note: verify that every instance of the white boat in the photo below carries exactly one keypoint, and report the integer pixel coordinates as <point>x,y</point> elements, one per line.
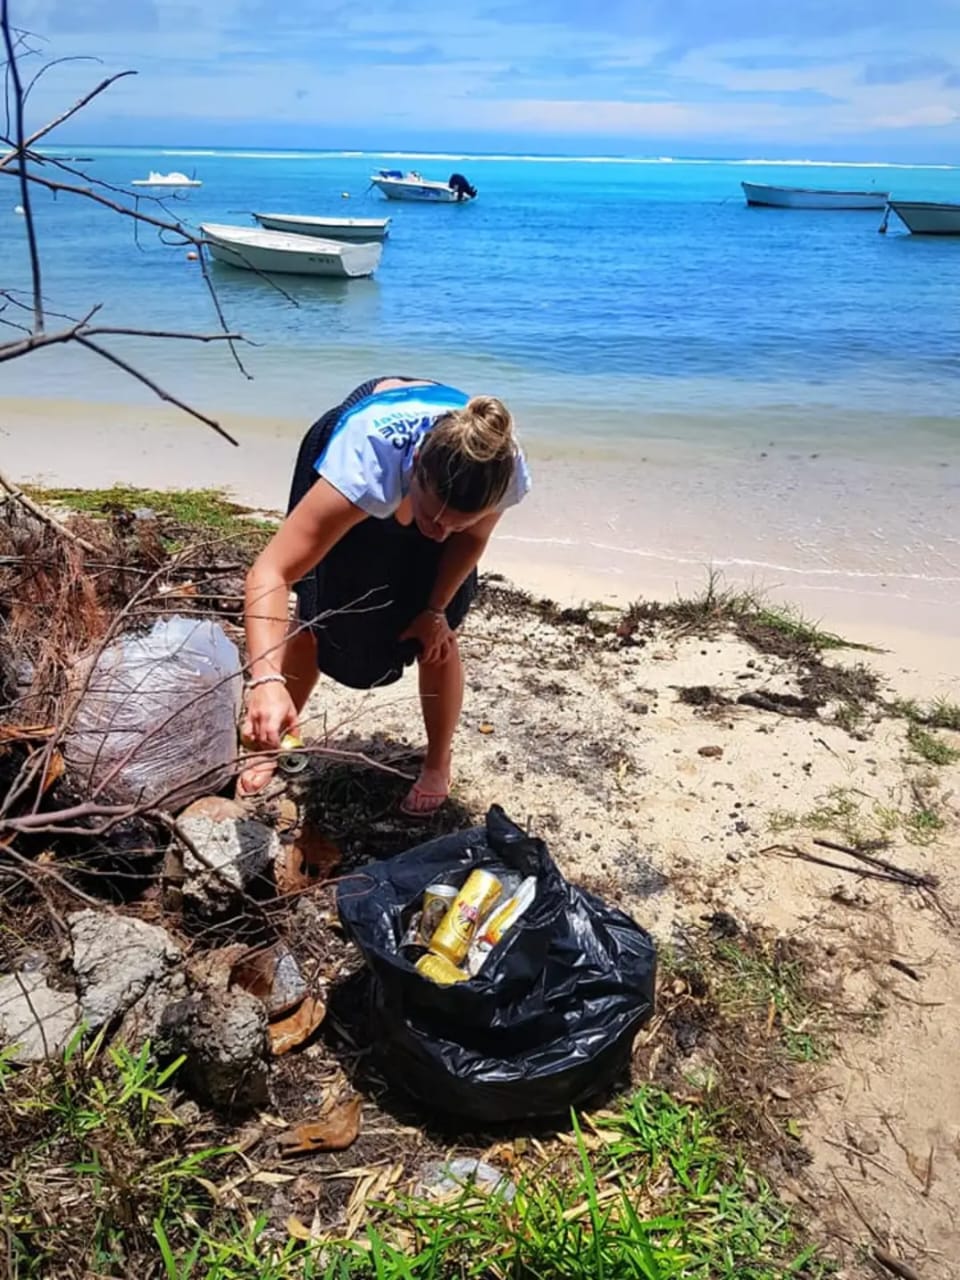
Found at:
<point>411,186</point>
<point>926,217</point>
<point>281,253</point>
<point>812,198</point>
<point>356,230</point>
<point>154,179</point>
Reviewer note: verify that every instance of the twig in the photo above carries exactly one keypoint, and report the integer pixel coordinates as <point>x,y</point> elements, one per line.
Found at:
<point>64,115</point>
<point>916,878</point>
<point>894,963</point>
<point>17,494</point>
<point>155,387</point>
<point>837,866</point>
<point>894,1265</point>
<point>14,71</point>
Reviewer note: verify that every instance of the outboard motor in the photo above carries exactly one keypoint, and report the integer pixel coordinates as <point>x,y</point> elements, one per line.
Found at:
<point>458,183</point>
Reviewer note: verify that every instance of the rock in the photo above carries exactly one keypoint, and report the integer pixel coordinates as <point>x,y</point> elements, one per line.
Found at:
<point>116,958</point>
<point>34,1017</point>
<point>710,753</point>
<point>224,1038</point>
<point>144,1019</point>
<point>238,847</point>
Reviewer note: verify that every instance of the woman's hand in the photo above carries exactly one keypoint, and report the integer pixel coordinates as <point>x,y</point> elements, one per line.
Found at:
<point>270,714</point>
<point>434,635</point>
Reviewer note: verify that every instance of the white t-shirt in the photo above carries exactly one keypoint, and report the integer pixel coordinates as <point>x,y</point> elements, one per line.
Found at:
<point>369,457</point>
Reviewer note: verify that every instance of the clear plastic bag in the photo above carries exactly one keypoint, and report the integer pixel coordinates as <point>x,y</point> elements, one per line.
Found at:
<point>158,717</point>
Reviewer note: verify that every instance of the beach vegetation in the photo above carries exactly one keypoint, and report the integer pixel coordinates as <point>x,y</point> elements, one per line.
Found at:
<point>929,747</point>
<point>863,822</point>
<point>103,1175</point>
<point>939,714</point>
<point>202,510</point>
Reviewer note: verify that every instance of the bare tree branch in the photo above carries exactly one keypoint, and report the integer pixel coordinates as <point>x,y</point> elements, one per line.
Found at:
<point>22,143</point>
<point>14,73</point>
<point>154,386</point>
<point>37,511</point>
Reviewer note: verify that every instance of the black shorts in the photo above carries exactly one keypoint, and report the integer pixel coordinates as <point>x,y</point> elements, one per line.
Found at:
<point>371,585</point>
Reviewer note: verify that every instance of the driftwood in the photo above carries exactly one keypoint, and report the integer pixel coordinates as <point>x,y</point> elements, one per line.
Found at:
<point>919,879</point>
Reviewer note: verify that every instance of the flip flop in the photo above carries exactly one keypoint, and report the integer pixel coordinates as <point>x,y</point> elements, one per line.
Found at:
<point>435,801</point>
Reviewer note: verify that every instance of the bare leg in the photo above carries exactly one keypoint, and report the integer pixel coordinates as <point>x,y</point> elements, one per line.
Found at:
<point>441,698</point>
<point>299,665</point>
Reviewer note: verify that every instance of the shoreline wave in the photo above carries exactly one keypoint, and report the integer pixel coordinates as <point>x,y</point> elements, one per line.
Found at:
<point>507,157</point>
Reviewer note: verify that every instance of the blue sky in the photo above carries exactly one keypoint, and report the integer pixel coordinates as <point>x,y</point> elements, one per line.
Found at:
<point>819,78</point>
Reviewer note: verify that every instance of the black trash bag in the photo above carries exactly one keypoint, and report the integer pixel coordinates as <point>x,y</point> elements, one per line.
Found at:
<point>547,1023</point>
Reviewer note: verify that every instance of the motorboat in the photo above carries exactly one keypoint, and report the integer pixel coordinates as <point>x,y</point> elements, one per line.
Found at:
<point>282,253</point>
<point>397,185</point>
<point>154,179</point>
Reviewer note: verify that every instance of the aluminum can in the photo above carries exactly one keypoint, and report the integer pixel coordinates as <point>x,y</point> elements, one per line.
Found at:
<point>439,970</point>
<point>294,762</point>
<point>470,907</point>
<point>437,901</point>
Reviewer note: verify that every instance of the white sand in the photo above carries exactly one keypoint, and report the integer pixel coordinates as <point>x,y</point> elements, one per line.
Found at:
<point>591,530</point>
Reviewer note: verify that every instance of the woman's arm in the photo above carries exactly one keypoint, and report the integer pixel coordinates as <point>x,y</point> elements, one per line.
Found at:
<point>461,555</point>
<point>316,524</point>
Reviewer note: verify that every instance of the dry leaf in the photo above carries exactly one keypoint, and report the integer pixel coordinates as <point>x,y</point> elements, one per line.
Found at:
<point>297,1229</point>
<point>309,860</point>
<point>286,1033</point>
<point>332,1132</point>
<point>273,1179</point>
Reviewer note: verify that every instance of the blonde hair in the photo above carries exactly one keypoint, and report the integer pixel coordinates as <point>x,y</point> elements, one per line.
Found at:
<point>467,459</point>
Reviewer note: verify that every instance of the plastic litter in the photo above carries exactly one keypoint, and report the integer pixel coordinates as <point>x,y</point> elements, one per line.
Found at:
<point>549,1020</point>
<point>158,719</point>
<point>443,1179</point>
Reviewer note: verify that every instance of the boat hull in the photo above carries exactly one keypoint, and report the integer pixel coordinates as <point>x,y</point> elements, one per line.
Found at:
<point>926,218</point>
<point>425,192</point>
<point>806,198</point>
<point>277,253</point>
<point>349,230</point>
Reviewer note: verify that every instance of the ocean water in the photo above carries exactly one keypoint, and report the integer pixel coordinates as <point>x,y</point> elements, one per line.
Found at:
<point>636,307</point>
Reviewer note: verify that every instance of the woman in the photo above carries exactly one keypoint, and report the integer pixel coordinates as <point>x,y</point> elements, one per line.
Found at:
<point>395,494</point>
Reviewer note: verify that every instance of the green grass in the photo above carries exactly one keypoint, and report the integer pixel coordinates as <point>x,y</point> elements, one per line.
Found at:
<point>861,821</point>
<point>929,747</point>
<point>791,623</point>
<point>754,982</point>
<point>100,1178</point>
<point>654,1193</point>
<point>198,508</point>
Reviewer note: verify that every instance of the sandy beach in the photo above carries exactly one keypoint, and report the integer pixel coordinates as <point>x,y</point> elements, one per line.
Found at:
<point>600,524</point>
<point>671,773</point>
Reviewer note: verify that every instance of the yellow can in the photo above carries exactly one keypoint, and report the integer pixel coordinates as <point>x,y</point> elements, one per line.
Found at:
<point>437,901</point>
<point>458,927</point>
<point>439,970</point>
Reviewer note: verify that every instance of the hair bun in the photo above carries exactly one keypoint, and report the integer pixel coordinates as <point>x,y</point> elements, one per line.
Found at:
<point>488,428</point>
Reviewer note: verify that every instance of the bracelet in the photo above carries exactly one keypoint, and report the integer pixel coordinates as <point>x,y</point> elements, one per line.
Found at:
<point>437,613</point>
<point>268,679</point>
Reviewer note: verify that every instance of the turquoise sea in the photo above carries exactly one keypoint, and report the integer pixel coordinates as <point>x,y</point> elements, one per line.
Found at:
<point>634,305</point>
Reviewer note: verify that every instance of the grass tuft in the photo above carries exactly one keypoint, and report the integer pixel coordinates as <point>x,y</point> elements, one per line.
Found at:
<point>929,747</point>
